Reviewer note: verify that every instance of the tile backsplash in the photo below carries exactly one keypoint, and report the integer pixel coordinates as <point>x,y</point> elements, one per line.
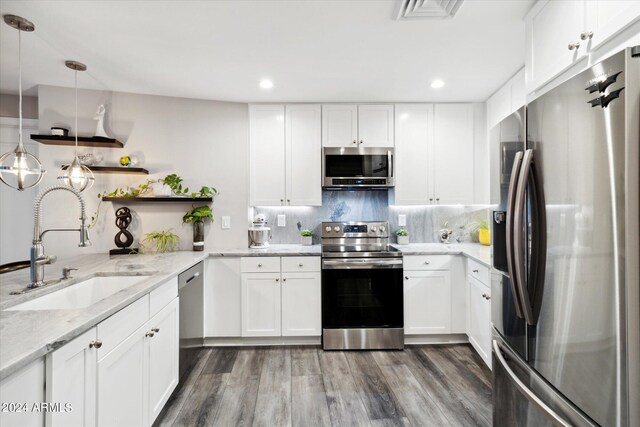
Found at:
<point>423,222</point>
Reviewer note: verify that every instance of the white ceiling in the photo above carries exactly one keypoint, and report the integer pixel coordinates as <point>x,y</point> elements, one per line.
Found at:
<point>331,50</point>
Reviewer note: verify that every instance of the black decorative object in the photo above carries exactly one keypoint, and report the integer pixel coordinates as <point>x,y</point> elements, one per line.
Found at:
<point>198,235</point>
<point>123,238</point>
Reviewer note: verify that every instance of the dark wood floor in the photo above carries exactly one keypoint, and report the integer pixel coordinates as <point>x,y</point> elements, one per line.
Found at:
<point>436,385</point>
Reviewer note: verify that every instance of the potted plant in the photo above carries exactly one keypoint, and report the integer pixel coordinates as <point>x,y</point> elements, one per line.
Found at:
<point>306,237</point>
<point>163,241</point>
<point>198,216</point>
<point>403,236</point>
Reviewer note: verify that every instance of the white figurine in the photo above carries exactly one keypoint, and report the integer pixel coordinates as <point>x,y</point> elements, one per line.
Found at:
<point>100,132</point>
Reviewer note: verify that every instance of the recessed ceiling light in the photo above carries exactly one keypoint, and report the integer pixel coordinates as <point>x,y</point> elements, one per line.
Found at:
<point>437,84</point>
<point>266,84</point>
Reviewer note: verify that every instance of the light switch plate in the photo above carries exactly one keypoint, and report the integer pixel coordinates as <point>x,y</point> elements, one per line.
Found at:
<point>402,220</point>
<point>282,222</point>
<point>226,222</point>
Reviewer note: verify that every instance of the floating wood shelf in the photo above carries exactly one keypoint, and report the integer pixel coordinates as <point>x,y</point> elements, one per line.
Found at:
<point>115,169</point>
<point>83,141</point>
<point>157,199</point>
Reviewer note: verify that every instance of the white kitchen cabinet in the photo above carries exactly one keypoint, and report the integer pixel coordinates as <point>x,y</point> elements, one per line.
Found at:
<point>222,297</point>
<point>375,125</point>
<point>480,318</point>
<point>301,304</point>
<point>267,155</point>
<point>26,386</point>
<point>123,383</point>
<point>362,125</point>
<point>339,125</point>
<point>285,155</point>
<point>453,167</point>
<point>303,155</point>
<point>71,378</point>
<point>553,41</point>
<point>163,357</point>
<point>607,17</point>
<point>261,304</point>
<point>414,142</point>
<point>427,302</point>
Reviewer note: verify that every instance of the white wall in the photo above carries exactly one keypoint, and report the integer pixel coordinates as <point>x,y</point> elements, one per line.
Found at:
<point>206,142</point>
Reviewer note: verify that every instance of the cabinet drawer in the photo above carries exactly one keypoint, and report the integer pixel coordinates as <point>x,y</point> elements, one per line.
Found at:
<point>115,329</point>
<point>478,271</point>
<point>160,297</point>
<point>260,264</point>
<point>426,262</point>
<point>292,264</point>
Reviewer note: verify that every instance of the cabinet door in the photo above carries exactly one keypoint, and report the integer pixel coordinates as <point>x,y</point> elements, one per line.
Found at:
<point>605,18</point>
<point>453,154</point>
<point>222,298</point>
<point>25,386</point>
<point>301,302</point>
<point>414,137</point>
<point>163,357</point>
<point>266,155</point>
<point>71,378</point>
<point>375,125</point>
<point>480,319</point>
<point>339,125</point>
<point>304,155</point>
<point>261,314</point>
<point>427,302</point>
<point>549,29</point>
<point>123,383</point>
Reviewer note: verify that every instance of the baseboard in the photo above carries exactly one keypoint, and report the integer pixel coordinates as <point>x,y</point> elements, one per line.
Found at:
<point>280,341</point>
<point>436,339</point>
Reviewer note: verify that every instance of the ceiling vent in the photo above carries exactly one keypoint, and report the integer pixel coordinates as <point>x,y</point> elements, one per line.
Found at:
<point>428,9</point>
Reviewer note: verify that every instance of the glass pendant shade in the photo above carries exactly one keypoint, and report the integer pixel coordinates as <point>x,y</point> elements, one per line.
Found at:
<point>18,168</point>
<point>77,176</point>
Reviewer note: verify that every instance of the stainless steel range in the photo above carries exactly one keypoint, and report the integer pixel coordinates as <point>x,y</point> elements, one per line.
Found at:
<point>362,287</point>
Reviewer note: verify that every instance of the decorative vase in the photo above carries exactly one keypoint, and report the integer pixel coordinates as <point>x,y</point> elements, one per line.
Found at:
<point>198,236</point>
<point>484,236</point>
<point>403,240</point>
<point>306,240</point>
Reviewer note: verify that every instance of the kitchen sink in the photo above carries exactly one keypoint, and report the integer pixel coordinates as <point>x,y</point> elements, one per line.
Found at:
<point>80,295</point>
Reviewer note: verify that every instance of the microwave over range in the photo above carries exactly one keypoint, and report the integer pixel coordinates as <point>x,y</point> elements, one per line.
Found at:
<point>357,168</point>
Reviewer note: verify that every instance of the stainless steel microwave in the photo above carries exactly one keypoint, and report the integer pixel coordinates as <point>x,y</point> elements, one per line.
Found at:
<point>357,168</point>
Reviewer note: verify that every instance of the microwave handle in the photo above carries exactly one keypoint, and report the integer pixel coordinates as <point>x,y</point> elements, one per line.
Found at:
<point>390,160</point>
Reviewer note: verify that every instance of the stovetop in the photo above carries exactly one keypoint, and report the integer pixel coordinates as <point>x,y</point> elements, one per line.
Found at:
<point>357,240</point>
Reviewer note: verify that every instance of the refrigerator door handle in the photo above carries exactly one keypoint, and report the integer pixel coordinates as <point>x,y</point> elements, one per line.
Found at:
<point>538,239</point>
<point>526,391</point>
<point>511,201</point>
<point>519,236</point>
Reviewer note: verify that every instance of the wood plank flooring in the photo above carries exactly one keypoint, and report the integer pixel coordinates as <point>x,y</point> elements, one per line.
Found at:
<point>435,385</point>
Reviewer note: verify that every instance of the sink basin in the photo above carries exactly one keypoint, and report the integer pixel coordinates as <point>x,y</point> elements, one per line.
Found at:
<point>80,295</point>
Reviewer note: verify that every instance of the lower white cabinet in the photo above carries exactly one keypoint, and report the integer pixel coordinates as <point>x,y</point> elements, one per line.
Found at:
<point>71,378</point>
<point>285,300</point>
<point>301,296</point>
<point>25,386</point>
<point>480,318</point>
<point>427,302</point>
<point>261,304</point>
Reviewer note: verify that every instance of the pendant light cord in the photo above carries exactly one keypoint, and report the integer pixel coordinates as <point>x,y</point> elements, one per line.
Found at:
<point>20,88</point>
<point>76,83</point>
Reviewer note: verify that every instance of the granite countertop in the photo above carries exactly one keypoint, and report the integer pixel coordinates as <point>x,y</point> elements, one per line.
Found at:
<point>28,335</point>
<point>475,251</point>
<point>272,250</point>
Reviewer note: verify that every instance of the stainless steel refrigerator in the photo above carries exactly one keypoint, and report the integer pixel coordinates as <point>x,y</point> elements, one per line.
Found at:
<point>565,283</point>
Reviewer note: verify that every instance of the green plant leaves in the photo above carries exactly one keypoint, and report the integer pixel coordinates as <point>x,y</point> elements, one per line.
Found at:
<point>164,241</point>
<point>201,213</point>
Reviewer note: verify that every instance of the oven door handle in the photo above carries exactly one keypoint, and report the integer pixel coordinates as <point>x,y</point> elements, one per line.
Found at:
<point>361,264</point>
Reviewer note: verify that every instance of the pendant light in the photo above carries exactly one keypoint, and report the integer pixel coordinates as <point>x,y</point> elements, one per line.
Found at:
<point>76,175</point>
<point>19,169</point>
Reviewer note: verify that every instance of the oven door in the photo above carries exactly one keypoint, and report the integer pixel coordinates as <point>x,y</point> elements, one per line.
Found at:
<point>362,293</point>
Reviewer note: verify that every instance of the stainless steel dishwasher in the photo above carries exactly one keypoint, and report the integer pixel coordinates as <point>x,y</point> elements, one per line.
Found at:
<point>191,293</point>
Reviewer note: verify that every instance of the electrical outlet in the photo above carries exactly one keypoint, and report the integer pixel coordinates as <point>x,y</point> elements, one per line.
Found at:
<point>226,222</point>
<point>402,220</point>
<point>282,222</point>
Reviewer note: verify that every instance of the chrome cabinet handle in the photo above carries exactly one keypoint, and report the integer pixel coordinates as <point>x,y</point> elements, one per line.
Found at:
<point>284,279</point>
<point>488,297</point>
<point>156,330</point>
<point>573,46</point>
<point>95,344</point>
<point>360,141</point>
<point>282,201</point>
<point>427,262</point>
<point>149,334</point>
<point>259,265</point>
<point>355,142</point>
<point>586,35</point>
<point>277,280</point>
<point>300,265</point>
<point>437,199</point>
<point>406,277</point>
<point>430,199</point>
<point>288,200</point>
<point>475,271</point>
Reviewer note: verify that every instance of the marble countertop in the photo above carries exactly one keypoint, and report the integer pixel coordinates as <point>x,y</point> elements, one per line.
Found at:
<point>273,250</point>
<point>476,251</point>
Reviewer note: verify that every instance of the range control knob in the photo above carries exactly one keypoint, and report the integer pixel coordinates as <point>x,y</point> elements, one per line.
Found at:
<point>382,228</point>
<point>327,228</point>
<point>373,229</point>
<point>336,228</point>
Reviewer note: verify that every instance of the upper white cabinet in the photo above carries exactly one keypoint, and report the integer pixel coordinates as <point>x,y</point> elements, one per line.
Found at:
<point>560,34</point>
<point>363,125</point>
<point>507,99</point>
<point>285,155</point>
<point>303,155</point>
